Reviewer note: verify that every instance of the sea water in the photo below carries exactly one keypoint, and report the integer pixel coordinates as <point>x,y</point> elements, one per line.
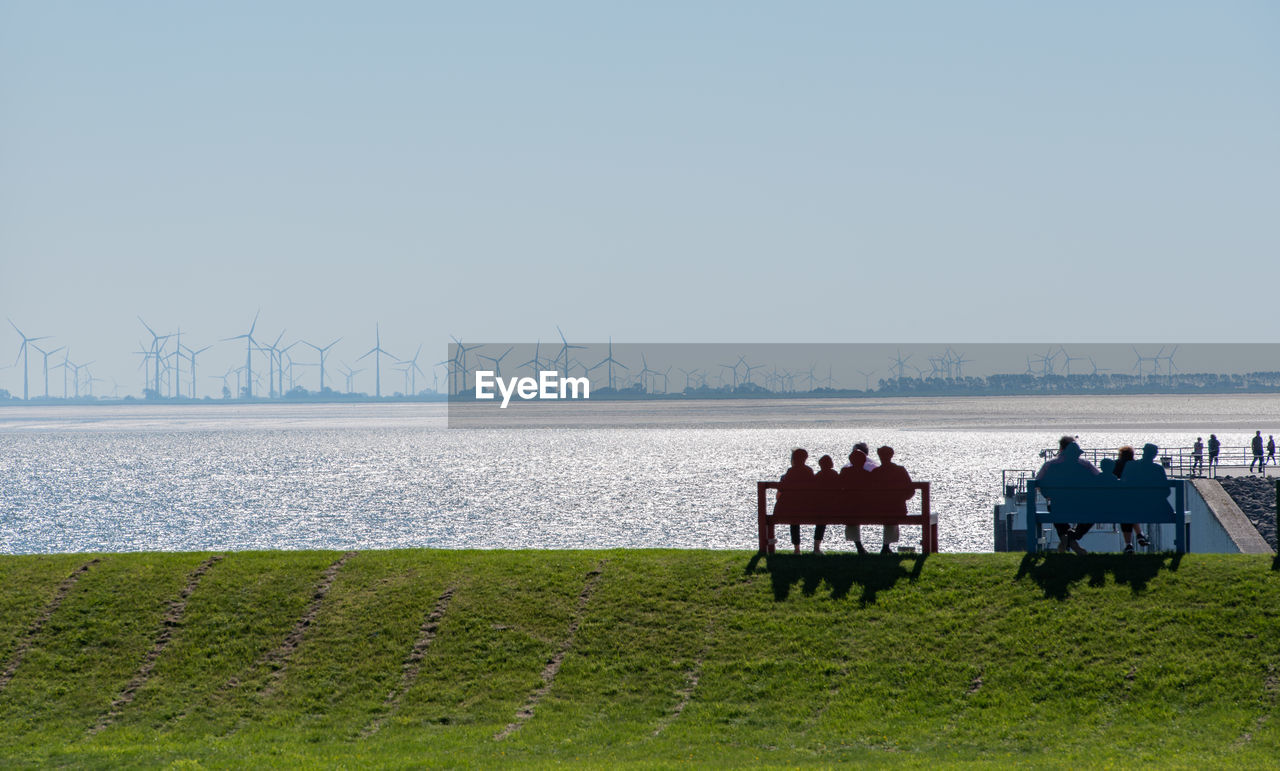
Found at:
<point>655,474</point>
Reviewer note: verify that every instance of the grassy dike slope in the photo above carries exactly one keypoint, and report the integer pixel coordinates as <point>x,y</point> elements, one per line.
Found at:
<point>653,657</point>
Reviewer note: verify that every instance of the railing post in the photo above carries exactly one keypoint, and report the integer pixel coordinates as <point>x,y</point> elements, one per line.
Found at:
<point>762,512</point>
<point>1180,507</point>
<point>1033,527</point>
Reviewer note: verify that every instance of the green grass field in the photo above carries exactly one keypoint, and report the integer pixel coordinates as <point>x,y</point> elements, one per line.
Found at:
<point>413,658</point>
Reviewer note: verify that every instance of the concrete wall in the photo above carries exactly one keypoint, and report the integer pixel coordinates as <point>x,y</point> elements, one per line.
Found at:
<point>1225,524</point>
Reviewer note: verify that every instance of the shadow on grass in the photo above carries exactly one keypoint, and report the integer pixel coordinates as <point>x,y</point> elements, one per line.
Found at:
<point>1057,573</point>
<point>872,573</point>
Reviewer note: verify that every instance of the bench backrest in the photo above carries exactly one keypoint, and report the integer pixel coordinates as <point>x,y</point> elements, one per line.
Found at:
<point>1110,503</point>
<point>863,499</point>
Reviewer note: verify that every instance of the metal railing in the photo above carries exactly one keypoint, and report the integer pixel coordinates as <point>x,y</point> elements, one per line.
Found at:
<point>1179,462</point>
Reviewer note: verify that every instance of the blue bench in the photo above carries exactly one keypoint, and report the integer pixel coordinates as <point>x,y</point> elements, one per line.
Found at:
<point>1112,503</point>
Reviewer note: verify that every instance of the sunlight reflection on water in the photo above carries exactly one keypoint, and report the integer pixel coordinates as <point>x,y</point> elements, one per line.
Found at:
<point>383,476</point>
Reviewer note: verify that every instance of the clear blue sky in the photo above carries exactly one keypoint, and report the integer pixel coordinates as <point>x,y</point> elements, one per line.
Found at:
<point>658,171</point>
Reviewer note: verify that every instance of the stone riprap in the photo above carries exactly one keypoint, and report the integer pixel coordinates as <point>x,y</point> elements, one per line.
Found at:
<point>1256,497</point>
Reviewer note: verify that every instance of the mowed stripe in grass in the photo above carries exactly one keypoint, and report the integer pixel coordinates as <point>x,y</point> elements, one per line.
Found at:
<point>713,657</point>
<point>32,588</point>
<point>92,645</point>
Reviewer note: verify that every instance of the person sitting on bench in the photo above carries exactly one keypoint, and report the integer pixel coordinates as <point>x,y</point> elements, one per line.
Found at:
<point>826,479</point>
<point>1068,468</point>
<point>798,476</point>
<point>854,475</point>
<point>891,477</point>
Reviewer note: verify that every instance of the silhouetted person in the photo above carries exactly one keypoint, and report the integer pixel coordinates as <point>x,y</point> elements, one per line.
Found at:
<point>827,478</point>
<point>1128,529</point>
<point>1256,446</point>
<point>1214,447</point>
<point>1197,457</point>
<point>854,532</point>
<point>855,474</point>
<point>1070,469</point>
<point>889,476</point>
<point>1147,472</point>
<point>798,477</point>
<point>1271,449</point>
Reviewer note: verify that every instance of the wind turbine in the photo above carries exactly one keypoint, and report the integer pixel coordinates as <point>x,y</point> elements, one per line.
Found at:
<point>665,382</point>
<point>413,370</point>
<point>734,368</point>
<point>192,355</point>
<point>22,354</point>
<point>1168,359</point>
<point>378,352</point>
<point>460,362</point>
<point>900,363</point>
<point>157,347</point>
<point>749,368</point>
<point>76,377</point>
<point>644,370</point>
<point>248,354</point>
<point>866,383</point>
<point>46,355</point>
<point>1155,361</point>
<point>274,365</point>
<point>223,377</point>
<point>564,351</point>
<point>349,374</point>
<point>497,360</point>
<point>323,352</point>
<point>612,361</point>
<point>1062,350</point>
<point>535,363</point>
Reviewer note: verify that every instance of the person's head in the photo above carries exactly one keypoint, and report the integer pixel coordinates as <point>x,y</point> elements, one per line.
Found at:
<point>825,462</point>
<point>1126,452</point>
<point>799,456</point>
<point>857,459</point>
<point>1108,466</point>
<point>1197,438</point>
<point>1149,451</point>
<point>1071,451</point>
<point>1064,441</point>
<point>1257,433</point>
<point>885,453</point>
<point>866,450</point>
<point>1213,436</point>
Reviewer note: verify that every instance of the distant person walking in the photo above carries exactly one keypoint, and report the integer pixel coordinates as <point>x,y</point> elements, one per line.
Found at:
<point>1214,447</point>
<point>1256,445</point>
<point>1197,457</point>
<point>1271,449</point>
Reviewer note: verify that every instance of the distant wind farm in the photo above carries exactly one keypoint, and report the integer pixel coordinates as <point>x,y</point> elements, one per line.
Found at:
<point>275,364</point>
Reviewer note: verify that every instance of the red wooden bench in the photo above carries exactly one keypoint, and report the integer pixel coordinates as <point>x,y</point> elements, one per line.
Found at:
<point>855,506</point>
